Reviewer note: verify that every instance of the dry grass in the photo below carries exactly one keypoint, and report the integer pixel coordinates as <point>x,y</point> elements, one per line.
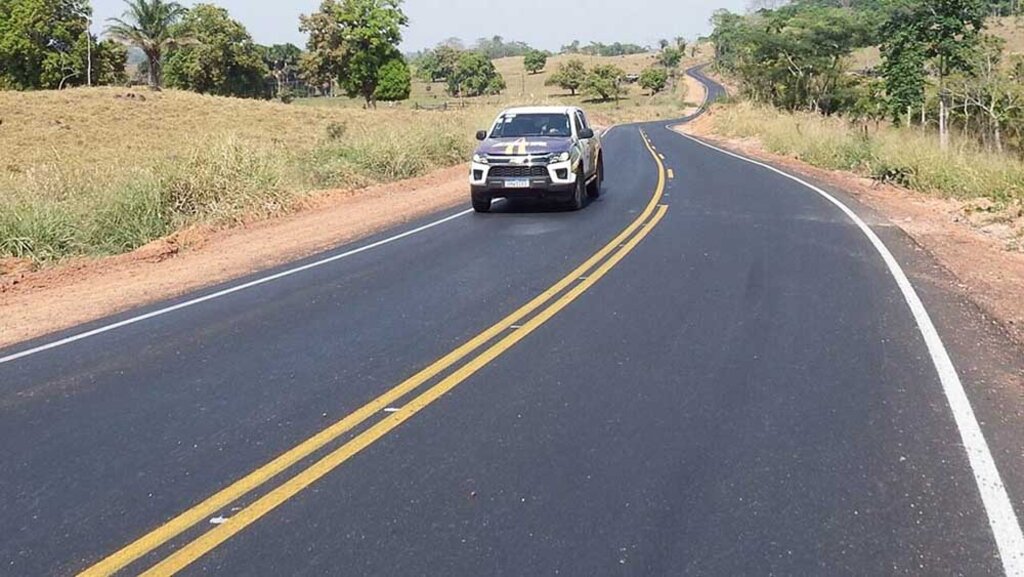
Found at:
<point>88,171</point>
<point>906,157</point>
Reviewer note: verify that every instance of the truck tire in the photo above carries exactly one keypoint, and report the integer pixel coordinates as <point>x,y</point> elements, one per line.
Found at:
<point>579,192</point>
<point>594,190</point>
<point>481,205</point>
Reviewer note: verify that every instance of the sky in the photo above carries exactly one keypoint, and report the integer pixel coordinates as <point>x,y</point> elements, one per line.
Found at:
<point>546,24</point>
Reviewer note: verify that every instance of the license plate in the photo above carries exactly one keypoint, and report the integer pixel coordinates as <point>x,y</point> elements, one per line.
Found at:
<point>518,183</point>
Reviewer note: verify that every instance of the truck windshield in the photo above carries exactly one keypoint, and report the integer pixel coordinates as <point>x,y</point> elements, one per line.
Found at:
<point>552,125</point>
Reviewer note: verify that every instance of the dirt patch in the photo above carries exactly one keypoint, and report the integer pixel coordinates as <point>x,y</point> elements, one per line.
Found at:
<point>37,302</point>
<point>958,234</point>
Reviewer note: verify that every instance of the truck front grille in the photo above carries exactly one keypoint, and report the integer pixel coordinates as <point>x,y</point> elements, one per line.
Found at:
<point>518,171</point>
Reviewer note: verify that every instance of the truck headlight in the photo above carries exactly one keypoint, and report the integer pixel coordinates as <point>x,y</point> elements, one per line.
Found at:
<point>479,159</point>
<point>563,157</point>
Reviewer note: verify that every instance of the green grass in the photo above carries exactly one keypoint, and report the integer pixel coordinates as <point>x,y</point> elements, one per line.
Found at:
<point>906,157</point>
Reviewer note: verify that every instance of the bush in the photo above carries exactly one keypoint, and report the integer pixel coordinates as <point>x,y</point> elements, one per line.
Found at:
<point>394,81</point>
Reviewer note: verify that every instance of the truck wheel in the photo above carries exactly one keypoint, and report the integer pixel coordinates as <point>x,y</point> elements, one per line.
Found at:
<point>576,202</point>
<point>481,205</point>
<point>594,190</point>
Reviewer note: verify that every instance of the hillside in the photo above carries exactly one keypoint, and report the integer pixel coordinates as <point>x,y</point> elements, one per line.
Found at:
<point>105,170</point>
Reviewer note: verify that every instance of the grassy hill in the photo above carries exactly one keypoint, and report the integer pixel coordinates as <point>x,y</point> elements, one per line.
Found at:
<point>105,170</point>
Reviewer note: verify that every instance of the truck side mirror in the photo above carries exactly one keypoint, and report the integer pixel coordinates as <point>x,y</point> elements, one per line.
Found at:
<point>481,135</point>
<point>586,133</point>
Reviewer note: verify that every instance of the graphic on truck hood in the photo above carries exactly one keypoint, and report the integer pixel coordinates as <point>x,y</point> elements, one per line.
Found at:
<point>524,146</point>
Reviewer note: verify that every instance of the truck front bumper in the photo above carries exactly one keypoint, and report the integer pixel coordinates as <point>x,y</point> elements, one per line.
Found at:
<point>559,183</point>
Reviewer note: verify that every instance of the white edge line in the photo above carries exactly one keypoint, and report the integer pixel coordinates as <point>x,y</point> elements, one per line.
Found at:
<point>226,292</point>
<point>999,508</point>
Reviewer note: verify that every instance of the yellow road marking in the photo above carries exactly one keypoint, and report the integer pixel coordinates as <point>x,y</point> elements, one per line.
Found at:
<point>216,503</point>
<point>213,538</point>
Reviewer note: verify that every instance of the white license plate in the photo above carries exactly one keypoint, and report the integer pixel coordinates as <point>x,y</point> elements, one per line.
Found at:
<point>518,183</point>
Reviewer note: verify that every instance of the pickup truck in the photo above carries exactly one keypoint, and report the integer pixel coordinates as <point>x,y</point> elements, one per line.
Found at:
<point>538,153</point>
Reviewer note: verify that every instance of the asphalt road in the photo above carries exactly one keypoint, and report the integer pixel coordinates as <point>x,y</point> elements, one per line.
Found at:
<point>711,370</point>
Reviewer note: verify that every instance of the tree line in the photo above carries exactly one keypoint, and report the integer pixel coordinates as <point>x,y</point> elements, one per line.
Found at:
<point>353,44</point>
<point>939,68</point>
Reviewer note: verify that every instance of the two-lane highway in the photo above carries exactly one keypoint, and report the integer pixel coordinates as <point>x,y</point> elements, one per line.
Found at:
<point>711,370</point>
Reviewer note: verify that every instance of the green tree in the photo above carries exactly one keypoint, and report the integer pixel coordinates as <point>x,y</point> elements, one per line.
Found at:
<point>394,81</point>
<point>604,82</point>
<point>951,35</point>
<point>903,65</point>
<point>350,41</point>
<point>475,75</point>
<point>654,79</point>
<point>569,76</point>
<point>109,59</point>
<point>670,58</point>
<point>43,43</point>
<point>535,61</point>
<point>149,25</point>
<point>283,61</point>
<point>220,57</point>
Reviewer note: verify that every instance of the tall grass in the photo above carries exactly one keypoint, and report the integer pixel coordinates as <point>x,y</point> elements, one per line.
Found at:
<point>81,190</point>
<point>907,157</point>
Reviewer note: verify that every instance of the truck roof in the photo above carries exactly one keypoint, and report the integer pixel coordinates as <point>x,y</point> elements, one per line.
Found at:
<point>541,110</point>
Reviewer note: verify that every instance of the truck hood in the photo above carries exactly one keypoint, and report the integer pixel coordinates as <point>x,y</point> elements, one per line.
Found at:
<point>524,146</point>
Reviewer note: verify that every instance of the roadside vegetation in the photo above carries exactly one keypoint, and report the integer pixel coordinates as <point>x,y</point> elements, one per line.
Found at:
<point>921,94</point>
<point>102,171</point>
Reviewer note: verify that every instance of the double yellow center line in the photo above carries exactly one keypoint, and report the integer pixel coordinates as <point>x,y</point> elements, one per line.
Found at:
<point>511,330</point>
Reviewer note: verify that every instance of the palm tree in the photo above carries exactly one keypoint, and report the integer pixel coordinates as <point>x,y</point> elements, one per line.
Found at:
<point>149,26</point>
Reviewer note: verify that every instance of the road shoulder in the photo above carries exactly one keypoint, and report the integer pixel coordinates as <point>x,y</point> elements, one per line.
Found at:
<point>33,304</point>
<point>979,265</point>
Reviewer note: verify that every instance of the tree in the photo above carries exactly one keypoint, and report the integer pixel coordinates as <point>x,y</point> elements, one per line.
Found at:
<point>496,47</point>
<point>43,43</point>
<point>350,41</point>
<point>535,61</point>
<point>681,44</point>
<point>569,76</point>
<point>220,57</point>
<point>663,43</point>
<point>149,25</point>
<point>109,59</point>
<point>951,33</point>
<point>670,58</point>
<point>475,75</point>
<point>283,61</point>
<point>654,79</point>
<point>604,81</point>
<point>903,66</point>
<point>394,81</point>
